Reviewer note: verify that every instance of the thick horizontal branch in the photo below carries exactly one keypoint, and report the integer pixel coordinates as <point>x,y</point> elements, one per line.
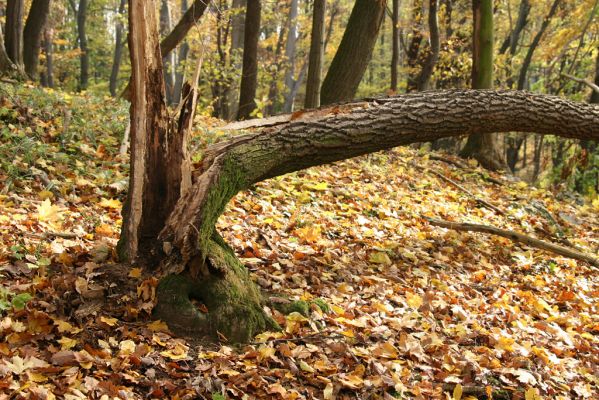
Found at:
<point>343,131</point>
<point>516,237</point>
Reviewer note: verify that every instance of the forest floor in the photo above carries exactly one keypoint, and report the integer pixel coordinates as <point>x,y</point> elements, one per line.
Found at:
<point>410,310</point>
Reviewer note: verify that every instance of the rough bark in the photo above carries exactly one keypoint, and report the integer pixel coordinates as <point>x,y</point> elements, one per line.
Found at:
<point>533,45</point>
<point>14,30</point>
<point>158,153</point>
<point>423,80</point>
<point>249,74</point>
<point>394,44</point>
<point>484,148</point>
<point>511,42</point>
<point>316,55</point>
<point>32,35</point>
<point>82,37</point>
<point>49,52</point>
<point>119,44</point>
<point>354,52</point>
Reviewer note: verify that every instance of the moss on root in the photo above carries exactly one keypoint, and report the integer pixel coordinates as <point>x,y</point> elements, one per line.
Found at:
<point>233,301</point>
<point>301,306</point>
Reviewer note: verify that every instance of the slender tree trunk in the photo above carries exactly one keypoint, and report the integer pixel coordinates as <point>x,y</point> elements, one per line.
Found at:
<point>511,42</point>
<point>274,105</point>
<point>533,46</point>
<point>290,53</point>
<point>316,55</point>
<point>395,44</point>
<point>485,147</point>
<point>181,59</point>
<point>6,65</point>
<point>32,36</point>
<point>448,18</point>
<point>423,81</point>
<point>538,152</point>
<point>168,60</point>
<point>119,44</point>
<point>235,53</point>
<point>187,21</point>
<point>354,52</point>
<point>14,30</point>
<point>249,74</point>
<point>594,95</point>
<point>82,35</point>
<point>413,51</point>
<point>49,51</point>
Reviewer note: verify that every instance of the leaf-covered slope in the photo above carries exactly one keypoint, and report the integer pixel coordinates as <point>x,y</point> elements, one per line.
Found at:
<point>406,309</point>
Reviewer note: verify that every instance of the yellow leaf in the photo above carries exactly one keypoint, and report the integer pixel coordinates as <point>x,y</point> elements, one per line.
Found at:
<point>109,321</point>
<point>309,234</point>
<point>47,212</point>
<point>505,343</point>
<point>110,203</point>
<point>319,186</point>
<point>413,300</point>
<point>67,343</point>
<point>351,381</point>
<point>305,367</point>
<point>135,273</point>
<point>178,353</point>
<point>45,195</point>
<point>64,326</point>
<point>379,257</point>
<point>158,326</point>
<point>457,392</point>
<point>328,392</point>
<point>127,347</point>
<point>266,352</point>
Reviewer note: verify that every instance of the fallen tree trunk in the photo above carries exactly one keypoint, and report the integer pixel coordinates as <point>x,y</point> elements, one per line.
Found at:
<point>516,237</point>
<point>207,268</point>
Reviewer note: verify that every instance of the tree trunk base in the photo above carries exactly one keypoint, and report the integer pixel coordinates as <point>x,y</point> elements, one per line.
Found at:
<point>230,303</point>
<point>484,149</point>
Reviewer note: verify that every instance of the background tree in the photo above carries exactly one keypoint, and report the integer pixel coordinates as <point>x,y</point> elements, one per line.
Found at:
<point>483,147</point>
<point>423,80</point>
<point>354,51</point>
<point>119,44</point>
<point>249,74</point>
<point>316,54</point>
<point>14,30</point>
<point>32,35</point>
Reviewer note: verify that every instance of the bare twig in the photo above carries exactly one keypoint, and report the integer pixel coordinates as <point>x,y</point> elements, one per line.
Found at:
<point>516,237</point>
<point>46,235</point>
<point>583,81</point>
<point>469,193</point>
<point>125,142</point>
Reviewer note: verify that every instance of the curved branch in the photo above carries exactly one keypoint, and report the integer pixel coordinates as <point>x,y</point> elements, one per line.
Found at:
<point>343,131</point>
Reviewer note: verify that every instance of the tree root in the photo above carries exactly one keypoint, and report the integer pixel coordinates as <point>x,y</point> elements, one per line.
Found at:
<point>231,305</point>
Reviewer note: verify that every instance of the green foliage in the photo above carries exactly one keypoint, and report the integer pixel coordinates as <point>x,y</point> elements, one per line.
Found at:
<point>10,300</point>
<point>43,126</point>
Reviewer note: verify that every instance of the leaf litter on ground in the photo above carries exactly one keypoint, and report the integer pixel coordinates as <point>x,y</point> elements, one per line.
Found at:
<point>408,310</point>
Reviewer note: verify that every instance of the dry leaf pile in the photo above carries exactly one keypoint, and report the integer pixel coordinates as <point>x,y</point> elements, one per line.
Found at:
<point>396,308</point>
